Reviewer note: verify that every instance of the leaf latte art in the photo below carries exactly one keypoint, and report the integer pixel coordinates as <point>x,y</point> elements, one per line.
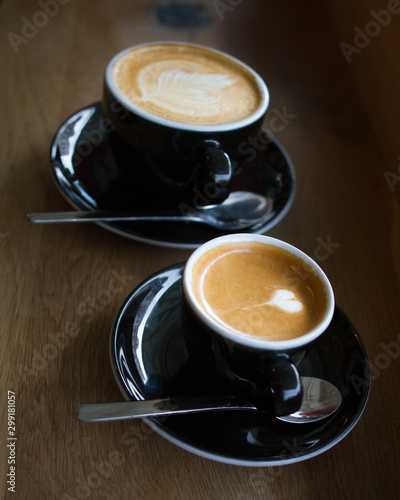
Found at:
<point>186,84</point>
<point>186,88</point>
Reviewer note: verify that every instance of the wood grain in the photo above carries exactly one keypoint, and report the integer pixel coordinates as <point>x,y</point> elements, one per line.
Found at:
<point>342,136</point>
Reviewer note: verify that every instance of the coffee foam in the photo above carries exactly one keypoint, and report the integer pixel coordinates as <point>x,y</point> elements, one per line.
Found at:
<point>259,290</point>
<point>187,84</point>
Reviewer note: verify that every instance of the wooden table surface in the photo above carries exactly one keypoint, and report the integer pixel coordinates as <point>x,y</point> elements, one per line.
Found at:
<point>333,73</point>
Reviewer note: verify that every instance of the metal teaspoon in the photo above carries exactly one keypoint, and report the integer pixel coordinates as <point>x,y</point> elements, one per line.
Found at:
<point>320,400</point>
<point>240,210</point>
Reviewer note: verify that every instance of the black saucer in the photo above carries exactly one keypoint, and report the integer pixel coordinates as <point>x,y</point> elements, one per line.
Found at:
<point>150,360</point>
<point>89,177</point>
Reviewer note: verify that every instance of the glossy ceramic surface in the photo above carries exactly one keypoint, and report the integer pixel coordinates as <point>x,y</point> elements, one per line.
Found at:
<point>150,360</point>
<point>89,177</point>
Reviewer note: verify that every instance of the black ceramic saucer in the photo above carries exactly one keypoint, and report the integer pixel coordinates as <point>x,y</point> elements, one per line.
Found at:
<point>150,360</point>
<point>89,177</point>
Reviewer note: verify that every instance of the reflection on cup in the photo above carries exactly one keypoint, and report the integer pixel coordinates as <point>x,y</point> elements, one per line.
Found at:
<point>183,109</point>
<point>251,302</point>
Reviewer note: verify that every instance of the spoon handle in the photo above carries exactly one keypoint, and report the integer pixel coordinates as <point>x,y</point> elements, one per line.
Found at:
<point>321,399</point>
<point>102,216</point>
<point>101,412</point>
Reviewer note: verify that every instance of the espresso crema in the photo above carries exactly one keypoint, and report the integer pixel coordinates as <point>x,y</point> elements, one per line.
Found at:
<point>260,290</point>
<point>187,84</point>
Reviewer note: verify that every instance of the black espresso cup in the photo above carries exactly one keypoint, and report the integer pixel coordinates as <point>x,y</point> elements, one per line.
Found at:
<point>178,113</point>
<point>251,304</point>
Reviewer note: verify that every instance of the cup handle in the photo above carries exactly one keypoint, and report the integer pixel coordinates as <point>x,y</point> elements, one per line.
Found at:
<point>285,390</point>
<point>213,175</point>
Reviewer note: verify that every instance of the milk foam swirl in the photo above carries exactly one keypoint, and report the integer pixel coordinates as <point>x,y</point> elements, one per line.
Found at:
<point>286,300</point>
<point>283,299</point>
<point>181,89</point>
<point>187,84</point>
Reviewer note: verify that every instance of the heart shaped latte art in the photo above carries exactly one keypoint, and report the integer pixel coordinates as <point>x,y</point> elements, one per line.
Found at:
<point>286,300</point>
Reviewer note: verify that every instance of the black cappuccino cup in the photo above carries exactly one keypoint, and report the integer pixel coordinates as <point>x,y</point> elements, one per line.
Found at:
<point>178,113</point>
<point>251,305</point>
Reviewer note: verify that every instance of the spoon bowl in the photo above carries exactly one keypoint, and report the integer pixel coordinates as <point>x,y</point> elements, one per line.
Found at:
<point>241,210</point>
<point>320,400</point>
